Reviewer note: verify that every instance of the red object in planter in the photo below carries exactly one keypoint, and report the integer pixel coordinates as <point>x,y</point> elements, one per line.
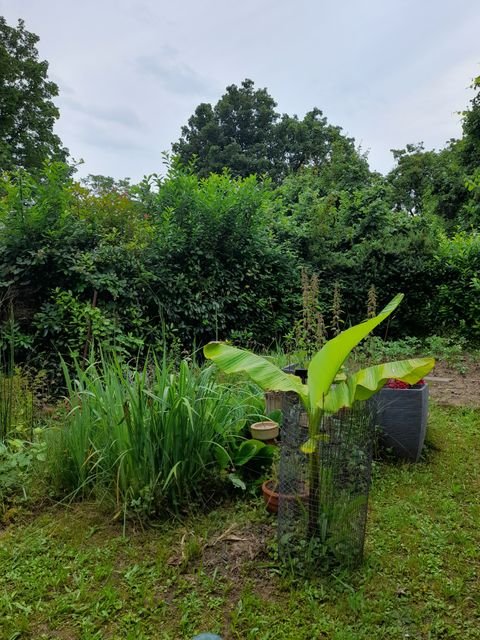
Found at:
<point>402,415</point>
<point>399,384</point>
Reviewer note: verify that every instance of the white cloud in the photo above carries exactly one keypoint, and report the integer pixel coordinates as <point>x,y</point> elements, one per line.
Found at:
<point>174,76</point>
<point>131,73</point>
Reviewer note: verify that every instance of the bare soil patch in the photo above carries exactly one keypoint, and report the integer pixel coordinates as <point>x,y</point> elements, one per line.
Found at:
<point>456,385</point>
<point>236,547</point>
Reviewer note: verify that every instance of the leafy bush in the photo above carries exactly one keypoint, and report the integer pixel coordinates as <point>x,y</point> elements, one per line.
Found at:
<point>446,349</point>
<point>179,257</point>
<point>457,299</point>
<point>217,267</point>
<point>377,350</point>
<point>17,474</point>
<point>355,239</point>
<point>186,260</point>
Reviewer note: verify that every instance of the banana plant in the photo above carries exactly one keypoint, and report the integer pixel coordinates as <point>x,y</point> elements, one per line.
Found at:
<point>328,389</point>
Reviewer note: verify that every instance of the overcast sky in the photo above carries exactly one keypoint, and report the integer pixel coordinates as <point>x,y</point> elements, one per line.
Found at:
<point>130,73</point>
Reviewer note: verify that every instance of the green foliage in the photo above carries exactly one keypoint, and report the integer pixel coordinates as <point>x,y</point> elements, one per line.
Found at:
<point>72,267</point>
<point>74,326</point>
<point>16,406</point>
<point>355,239</point>
<point>320,395</point>
<point>18,460</point>
<point>16,397</point>
<point>411,177</point>
<point>442,183</point>
<point>447,349</point>
<point>378,350</point>
<point>235,133</point>
<point>328,390</point>
<point>179,258</point>
<point>430,182</point>
<point>308,333</point>
<point>217,269</point>
<point>470,146</point>
<point>244,134</point>
<point>28,113</point>
<point>151,439</point>
<point>183,259</point>
<point>457,300</point>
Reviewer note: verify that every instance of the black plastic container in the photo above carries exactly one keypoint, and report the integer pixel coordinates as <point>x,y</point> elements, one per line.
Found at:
<point>402,415</point>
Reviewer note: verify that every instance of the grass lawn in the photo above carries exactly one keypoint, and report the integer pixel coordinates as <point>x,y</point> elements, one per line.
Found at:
<point>68,572</point>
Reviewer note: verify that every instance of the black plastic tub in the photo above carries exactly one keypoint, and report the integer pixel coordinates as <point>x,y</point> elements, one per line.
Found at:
<point>296,370</point>
<point>402,416</point>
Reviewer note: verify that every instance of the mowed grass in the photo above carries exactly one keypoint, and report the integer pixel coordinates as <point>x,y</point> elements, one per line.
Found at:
<point>68,572</point>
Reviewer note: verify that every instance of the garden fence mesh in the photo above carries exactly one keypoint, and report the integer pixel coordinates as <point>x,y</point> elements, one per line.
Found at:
<point>323,495</point>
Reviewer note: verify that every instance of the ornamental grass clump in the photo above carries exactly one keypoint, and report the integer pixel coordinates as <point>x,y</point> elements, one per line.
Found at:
<point>152,439</point>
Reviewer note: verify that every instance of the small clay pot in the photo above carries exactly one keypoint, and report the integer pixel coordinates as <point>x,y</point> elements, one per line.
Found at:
<point>265,431</point>
<point>271,497</point>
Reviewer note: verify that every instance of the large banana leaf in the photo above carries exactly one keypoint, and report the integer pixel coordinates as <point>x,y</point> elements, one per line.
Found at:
<point>233,360</point>
<point>363,384</point>
<point>325,365</point>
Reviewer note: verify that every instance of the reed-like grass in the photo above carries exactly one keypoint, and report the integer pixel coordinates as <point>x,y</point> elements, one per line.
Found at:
<point>154,439</point>
<point>7,362</point>
<point>6,401</point>
<point>16,397</point>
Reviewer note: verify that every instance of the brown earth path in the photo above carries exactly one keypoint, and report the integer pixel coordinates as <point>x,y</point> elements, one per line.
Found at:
<point>456,385</point>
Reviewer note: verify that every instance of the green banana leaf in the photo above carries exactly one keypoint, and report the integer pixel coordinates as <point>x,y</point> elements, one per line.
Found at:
<point>268,376</point>
<point>325,365</point>
<point>326,391</point>
<point>364,383</point>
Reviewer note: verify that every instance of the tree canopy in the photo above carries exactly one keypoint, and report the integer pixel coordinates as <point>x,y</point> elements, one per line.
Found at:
<point>27,112</point>
<point>235,133</point>
<point>471,131</point>
<point>244,134</point>
<point>445,182</point>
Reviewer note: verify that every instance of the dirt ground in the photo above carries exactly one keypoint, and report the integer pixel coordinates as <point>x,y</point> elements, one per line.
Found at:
<point>457,385</point>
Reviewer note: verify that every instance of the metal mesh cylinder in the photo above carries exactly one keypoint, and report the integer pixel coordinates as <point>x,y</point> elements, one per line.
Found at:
<point>323,495</point>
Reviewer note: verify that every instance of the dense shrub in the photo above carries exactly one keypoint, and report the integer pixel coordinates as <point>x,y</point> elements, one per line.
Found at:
<point>217,269</point>
<point>457,297</point>
<point>185,257</point>
<point>188,260</point>
<point>68,275</point>
<point>356,239</point>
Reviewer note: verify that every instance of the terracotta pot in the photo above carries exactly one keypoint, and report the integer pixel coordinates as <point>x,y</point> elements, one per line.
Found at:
<point>265,431</point>
<point>271,497</point>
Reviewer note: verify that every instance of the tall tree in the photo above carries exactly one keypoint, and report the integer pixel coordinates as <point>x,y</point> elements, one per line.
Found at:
<point>245,134</point>
<point>27,113</point>
<point>471,131</point>
<point>411,177</point>
<point>236,133</point>
<point>443,182</point>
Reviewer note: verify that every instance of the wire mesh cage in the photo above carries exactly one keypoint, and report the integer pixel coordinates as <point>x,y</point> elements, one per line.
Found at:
<point>323,495</point>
